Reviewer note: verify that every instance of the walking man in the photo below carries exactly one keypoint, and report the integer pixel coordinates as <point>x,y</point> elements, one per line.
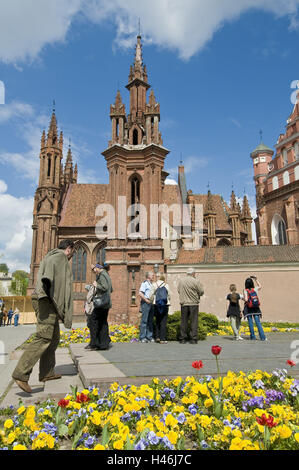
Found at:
<point>52,301</point>
<point>190,290</point>
<point>147,310</point>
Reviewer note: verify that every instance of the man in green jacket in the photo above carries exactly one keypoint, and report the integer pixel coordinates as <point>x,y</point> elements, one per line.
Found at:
<point>190,290</point>
<point>52,301</point>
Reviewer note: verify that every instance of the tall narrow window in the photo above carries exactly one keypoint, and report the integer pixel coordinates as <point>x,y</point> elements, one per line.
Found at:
<point>282,235</point>
<point>278,231</point>
<point>285,157</point>
<point>286,178</point>
<point>135,201</point>
<point>49,167</point>
<point>275,183</point>
<point>79,265</point>
<point>101,255</point>
<point>135,137</point>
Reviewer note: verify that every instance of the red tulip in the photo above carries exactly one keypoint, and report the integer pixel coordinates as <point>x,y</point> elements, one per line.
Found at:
<point>291,363</point>
<point>82,398</point>
<point>63,403</point>
<point>264,421</point>
<point>197,364</point>
<point>216,350</point>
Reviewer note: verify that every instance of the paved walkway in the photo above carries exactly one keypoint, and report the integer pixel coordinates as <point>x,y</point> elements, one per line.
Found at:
<point>136,363</point>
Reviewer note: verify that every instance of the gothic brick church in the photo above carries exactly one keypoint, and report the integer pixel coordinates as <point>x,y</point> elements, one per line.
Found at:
<point>135,159</point>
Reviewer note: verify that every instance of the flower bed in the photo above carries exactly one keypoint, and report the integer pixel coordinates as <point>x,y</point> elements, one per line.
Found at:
<point>118,334</point>
<point>253,411</point>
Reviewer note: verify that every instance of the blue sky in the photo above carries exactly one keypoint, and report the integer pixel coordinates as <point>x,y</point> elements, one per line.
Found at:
<point>220,70</point>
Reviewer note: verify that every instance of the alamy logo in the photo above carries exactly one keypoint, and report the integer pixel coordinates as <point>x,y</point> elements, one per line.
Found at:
<point>2,92</point>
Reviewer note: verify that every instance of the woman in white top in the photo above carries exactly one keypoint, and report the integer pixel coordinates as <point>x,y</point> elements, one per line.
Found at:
<point>161,300</point>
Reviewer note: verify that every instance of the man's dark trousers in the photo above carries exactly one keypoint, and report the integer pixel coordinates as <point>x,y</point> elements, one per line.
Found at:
<point>189,313</point>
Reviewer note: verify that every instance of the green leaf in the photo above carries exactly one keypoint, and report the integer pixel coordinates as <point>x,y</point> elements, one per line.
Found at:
<point>129,445</point>
<point>105,435</point>
<point>76,438</point>
<point>181,445</point>
<point>63,430</point>
<point>200,433</point>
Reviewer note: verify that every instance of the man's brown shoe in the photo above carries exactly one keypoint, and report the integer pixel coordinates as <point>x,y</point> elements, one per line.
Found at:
<point>52,377</point>
<point>24,386</point>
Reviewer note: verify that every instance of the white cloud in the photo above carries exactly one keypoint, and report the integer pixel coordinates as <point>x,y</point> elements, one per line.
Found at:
<point>185,26</point>
<point>16,231</point>
<point>191,164</point>
<point>14,110</point>
<point>27,26</point>
<point>171,182</point>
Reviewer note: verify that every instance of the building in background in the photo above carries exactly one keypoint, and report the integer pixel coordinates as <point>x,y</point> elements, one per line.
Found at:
<point>5,284</point>
<point>276,178</point>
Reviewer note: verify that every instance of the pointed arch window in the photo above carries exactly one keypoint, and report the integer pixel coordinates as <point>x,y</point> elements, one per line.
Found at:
<point>278,230</point>
<point>79,264</point>
<point>135,137</point>
<point>101,255</point>
<point>286,178</point>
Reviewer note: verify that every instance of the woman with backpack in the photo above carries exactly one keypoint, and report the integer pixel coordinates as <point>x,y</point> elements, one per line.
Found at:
<point>234,311</point>
<point>161,302</point>
<point>252,307</point>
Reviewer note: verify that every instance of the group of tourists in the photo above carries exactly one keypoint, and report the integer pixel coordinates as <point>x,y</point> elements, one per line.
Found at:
<point>7,316</point>
<point>52,301</point>
<point>155,302</point>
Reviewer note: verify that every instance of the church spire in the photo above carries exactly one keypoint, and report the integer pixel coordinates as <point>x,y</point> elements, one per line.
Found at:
<point>52,132</point>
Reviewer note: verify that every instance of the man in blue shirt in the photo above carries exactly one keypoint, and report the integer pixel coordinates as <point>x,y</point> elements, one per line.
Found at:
<point>9,316</point>
<point>147,309</point>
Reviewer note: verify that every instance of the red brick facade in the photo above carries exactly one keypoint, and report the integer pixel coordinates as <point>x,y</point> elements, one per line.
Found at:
<point>135,161</point>
<point>277,187</point>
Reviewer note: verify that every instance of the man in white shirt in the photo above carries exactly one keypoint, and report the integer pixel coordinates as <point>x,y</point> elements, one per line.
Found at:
<point>146,324</point>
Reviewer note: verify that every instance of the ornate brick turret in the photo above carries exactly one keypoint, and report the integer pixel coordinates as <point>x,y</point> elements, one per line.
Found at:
<point>47,197</point>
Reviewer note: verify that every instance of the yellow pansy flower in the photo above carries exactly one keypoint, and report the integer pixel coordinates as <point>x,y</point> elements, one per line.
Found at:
<point>118,444</point>
<point>8,424</point>
<point>19,447</point>
<point>284,431</point>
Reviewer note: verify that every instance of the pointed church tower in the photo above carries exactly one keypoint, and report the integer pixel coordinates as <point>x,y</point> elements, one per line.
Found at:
<point>210,219</point>
<point>135,161</point>
<point>47,197</point>
<point>246,220</point>
<point>234,215</point>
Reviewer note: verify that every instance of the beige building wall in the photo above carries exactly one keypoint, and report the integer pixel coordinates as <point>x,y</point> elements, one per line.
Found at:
<point>280,281</point>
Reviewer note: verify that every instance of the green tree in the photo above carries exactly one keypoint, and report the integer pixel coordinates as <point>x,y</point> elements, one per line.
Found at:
<point>4,268</point>
<point>20,282</point>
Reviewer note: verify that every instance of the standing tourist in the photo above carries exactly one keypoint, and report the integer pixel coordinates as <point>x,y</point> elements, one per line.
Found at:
<point>88,307</point>
<point>252,307</point>
<point>52,301</point>
<point>147,310</point>
<point>9,316</point>
<point>161,302</point>
<point>16,317</point>
<point>234,311</point>
<point>190,290</point>
<point>98,323</point>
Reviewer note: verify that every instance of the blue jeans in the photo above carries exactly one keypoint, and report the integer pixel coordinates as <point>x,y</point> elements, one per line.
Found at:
<point>146,324</point>
<point>259,327</point>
